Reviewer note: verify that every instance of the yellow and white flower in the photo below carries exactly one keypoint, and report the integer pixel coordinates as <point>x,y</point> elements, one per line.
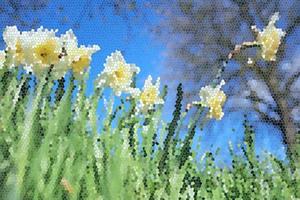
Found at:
<point>150,94</point>
<point>79,58</point>
<point>39,49</point>
<point>213,98</point>
<point>118,74</point>
<point>40,46</point>
<point>270,39</point>
<point>36,50</point>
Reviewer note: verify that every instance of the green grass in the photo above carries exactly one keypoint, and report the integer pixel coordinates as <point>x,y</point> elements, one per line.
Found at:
<point>53,146</point>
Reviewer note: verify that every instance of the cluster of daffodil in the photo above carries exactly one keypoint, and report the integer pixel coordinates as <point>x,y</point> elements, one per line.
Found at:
<point>40,49</point>
<point>118,75</point>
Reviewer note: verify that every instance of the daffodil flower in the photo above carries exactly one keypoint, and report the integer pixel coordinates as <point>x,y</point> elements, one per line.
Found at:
<point>213,98</point>
<point>150,94</point>
<point>270,39</point>
<point>36,50</point>
<point>39,49</point>
<point>79,58</point>
<point>118,75</point>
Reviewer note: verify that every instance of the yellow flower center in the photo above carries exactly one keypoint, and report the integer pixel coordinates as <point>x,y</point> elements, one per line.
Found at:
<point>79,65</point>
<point>149,96</point>
<point>19,52</point>
<point>216,104</point>
<point>121,75</point>
<point>45,52</point>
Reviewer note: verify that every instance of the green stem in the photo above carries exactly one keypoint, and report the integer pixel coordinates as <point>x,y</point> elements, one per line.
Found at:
<point>22,153</point>
<point>185,151</point>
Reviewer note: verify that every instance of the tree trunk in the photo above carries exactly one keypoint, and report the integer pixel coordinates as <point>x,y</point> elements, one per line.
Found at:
<point>286,125</point>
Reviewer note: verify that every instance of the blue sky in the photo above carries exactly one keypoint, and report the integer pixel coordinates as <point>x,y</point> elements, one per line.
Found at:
<point>146,52</point>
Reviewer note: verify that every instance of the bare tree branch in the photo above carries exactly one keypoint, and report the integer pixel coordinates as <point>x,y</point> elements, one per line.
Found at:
<point>291,81</point>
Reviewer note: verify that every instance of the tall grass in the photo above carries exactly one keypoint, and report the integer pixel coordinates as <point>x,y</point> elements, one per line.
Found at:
<point>54,145</point>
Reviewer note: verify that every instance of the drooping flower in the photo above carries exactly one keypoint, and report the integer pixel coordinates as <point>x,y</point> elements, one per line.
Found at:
<point>82,58</point>
<point>270,39</point>
<point>213,98</point>
<point>118,74</point>
<point>79,58</point>
<point>150,94</point>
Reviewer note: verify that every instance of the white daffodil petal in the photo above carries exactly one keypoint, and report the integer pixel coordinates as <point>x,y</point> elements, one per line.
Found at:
<point>118,74</point>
